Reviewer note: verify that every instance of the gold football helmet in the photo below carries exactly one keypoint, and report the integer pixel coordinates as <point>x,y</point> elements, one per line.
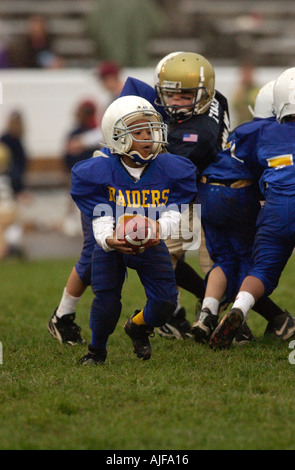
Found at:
<point>186,72</point>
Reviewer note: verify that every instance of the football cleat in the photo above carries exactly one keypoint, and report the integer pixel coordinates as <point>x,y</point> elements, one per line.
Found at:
<point>139,335</point>
<point>244,336</point>
<point>230,325</point>
<point>94,356</point>
<point>281,327</point>
<point>204,326</point>
<point>64,329</point>
<point>177,327</point>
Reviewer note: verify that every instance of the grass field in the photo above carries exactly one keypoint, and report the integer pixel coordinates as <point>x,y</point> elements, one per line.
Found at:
<point>187,397</point>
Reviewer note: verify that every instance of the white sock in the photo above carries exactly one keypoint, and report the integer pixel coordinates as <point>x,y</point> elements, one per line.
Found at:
<point>67,304</point>
<point>244,301</point>
<point>212,304</point>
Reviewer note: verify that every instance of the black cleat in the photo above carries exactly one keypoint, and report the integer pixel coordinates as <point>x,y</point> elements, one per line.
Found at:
<point>204,326</point>
<point>244,336</point>
<point>177,327</point>
<point>281,327</point>
<point>65,330</point>
<point>227,329</point>
<point>94,356</point>
<point>139,335</point>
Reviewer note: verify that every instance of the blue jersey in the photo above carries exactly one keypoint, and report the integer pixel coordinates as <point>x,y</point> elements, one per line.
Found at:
<point>168,181</point>
<point>268,152</point>
<point>275,158</point>
<point>136,87</point>
<point>230,164</point>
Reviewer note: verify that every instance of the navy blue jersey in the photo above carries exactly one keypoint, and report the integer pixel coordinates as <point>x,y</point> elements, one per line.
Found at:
<point>136,87</point>
<point>228,165</point>
<point>167,181</point>
<point>202,136</point>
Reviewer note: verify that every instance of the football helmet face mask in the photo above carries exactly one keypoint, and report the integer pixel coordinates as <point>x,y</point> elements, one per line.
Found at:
<point>284,94</point>
<point>263,107</point>
<point>118,127</point>
<point>186,72</point>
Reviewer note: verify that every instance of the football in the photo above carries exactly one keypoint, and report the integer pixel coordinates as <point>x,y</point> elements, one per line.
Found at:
<point>137,232</point>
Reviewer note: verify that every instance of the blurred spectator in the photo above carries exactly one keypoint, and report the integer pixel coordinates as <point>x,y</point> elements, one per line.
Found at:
<point>121,30</point>
<point>245,95</point>
<point>87,118</point>
<point>12,138</point>
<point>109,73</point>
<point>8,206</point>
<point>35,50</point>
<point>4,41</point>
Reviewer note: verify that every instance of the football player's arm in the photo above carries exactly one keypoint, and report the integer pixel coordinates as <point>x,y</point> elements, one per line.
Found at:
<point>168,223</point>
<point>105,235</point>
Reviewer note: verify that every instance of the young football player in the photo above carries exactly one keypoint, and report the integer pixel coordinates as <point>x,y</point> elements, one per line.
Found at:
<point>271,160</point>
<point>135,177</point>
<point>230,206</point>
<point>198,137</point>
<point>198,123</point>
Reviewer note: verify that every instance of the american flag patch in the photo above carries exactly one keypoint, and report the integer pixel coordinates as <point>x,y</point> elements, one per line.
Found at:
<point>190,138</point>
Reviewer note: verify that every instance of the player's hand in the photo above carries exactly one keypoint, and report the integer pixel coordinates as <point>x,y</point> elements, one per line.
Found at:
<point>156,230</point>
<point>119,245</point>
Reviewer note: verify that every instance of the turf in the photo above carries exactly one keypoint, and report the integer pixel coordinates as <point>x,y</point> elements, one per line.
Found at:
<point>187,397</point>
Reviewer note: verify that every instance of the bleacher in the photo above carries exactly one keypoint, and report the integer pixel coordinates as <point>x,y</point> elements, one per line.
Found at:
<point>65,23</point>
<point>224,30</point>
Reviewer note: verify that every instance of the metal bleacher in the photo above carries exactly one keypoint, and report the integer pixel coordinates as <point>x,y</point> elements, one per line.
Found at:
<point>224,30</point>
<point>65,23</point>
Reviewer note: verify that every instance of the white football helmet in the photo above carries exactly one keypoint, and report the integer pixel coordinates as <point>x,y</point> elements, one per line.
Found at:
<point>263,107</point>
<point>117,127</point>
<point>284,94</point>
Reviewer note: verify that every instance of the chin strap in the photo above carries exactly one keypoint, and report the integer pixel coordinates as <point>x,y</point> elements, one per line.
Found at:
<point>138,158</point>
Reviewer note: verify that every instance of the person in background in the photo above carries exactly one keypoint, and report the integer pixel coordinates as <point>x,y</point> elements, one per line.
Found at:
<point>8,206</point>
<point>13,138</point>
<point>87,118</point>
<point>109,74</point>
<point>35,49</point>
<point>244,96</point>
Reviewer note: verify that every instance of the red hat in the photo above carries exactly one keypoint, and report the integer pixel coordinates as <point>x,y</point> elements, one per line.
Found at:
<point>108,68</point>
<point>89,109</point>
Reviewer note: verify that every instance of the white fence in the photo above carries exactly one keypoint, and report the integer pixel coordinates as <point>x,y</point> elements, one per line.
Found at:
<point>48,100</point>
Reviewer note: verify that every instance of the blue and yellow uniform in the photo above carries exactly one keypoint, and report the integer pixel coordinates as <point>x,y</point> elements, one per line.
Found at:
<point>272,163</point>
<point>230,203</point>
<point>102,186</point>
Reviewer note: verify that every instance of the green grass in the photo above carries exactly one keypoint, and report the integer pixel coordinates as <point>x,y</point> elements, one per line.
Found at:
<point>187,397</point>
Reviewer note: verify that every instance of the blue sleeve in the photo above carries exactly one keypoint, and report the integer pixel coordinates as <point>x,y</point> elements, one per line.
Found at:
<point>243,148</point>
<point>86,188</point>
<point>136,87</point>
<point>183,174</point>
